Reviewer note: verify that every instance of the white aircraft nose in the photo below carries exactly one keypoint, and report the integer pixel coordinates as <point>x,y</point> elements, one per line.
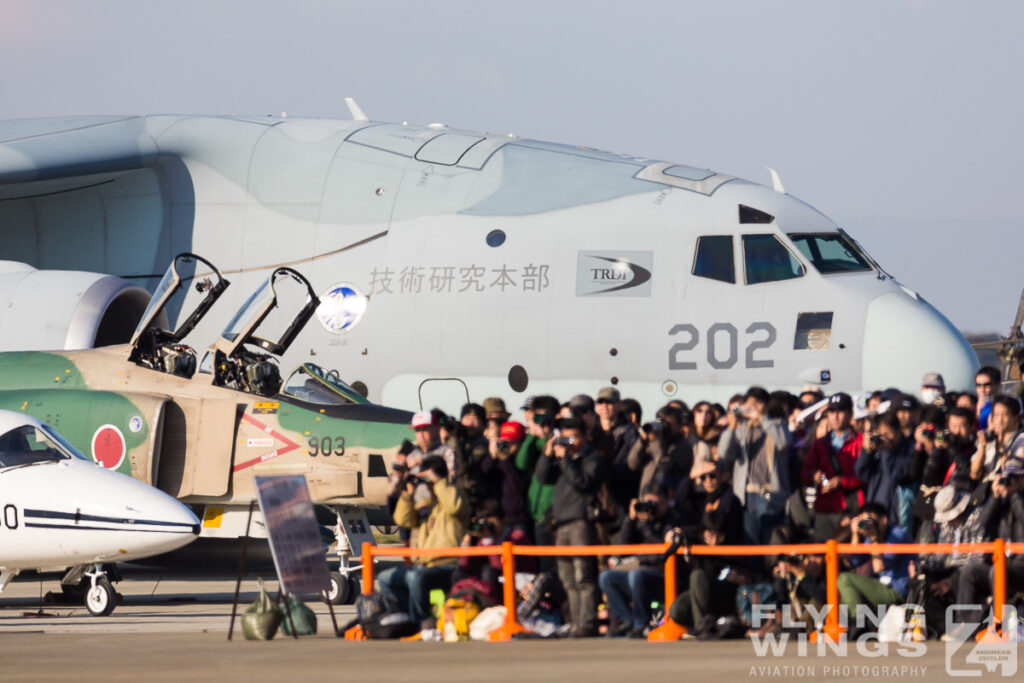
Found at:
<point>162,523</point>
<point>905,337</point>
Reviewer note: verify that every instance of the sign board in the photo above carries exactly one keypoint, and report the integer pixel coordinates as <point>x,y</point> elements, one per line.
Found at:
<point>294,534</point>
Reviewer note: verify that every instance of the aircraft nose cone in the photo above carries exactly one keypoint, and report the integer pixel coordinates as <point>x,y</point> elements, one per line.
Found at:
<point>906,337</point>
<point>168,523</point>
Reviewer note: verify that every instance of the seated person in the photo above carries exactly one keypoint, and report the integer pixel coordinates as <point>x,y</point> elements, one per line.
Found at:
<point>630,586</point>
<point>800,579</point>
<point>1002,516</point>
<point>876,579</point>
<point>955,521</point>
<point>443,527</point>
<point>488,528</point>
<point>713,580</point>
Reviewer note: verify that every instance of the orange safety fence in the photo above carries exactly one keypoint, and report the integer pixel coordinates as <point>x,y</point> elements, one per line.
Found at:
<point>999,549</point>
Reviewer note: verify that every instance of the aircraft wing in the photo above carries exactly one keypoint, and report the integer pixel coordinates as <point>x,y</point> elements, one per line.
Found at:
<point>40,156</point>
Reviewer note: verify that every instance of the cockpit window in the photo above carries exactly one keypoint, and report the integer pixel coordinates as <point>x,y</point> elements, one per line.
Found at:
<point>830,252</point>
<point>313,384</point>
<point>714,258</point>
<point>766,259</point>
<point>27,445</point>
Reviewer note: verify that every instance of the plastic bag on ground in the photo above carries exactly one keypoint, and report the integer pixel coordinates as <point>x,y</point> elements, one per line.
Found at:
<point>261,620</point>
<point>302,615</point>
<point>488,620</point>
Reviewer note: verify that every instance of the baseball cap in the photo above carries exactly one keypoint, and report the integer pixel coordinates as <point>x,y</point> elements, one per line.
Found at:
<point>528,403</point>
<point>494,405</point>
<point>512,431</point>
<point>906,402</point>
<point>840,401</point>
<point>582,402</point>
<point>424,418</point>
<point>609,394</point>
<point>934,380</point>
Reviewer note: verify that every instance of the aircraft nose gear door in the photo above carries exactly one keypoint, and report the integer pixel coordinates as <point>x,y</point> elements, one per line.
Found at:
<point>352,530</point>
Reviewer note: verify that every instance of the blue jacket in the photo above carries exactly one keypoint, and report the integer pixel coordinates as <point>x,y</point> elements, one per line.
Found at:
<point>897,567</point>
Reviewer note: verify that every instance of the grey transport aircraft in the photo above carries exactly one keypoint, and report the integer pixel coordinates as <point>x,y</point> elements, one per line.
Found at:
<point>454,264</point>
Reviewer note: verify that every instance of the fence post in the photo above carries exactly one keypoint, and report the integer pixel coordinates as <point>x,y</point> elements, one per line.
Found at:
<point>995,632</point>
<point>832,628</point>
<point>670,630</point>
<point>367,568</point>
<point>511,626</point>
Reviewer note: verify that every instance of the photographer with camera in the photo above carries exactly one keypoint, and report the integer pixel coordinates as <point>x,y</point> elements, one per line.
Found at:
<point>1002,516</point>
<point>994,444</point>
<point>756,450</point>
<point>942,455</point>
<point>426,429</point>
<point>830,467</point>
<point>443,527</point>
<point>632,583</point>
<point>504,448</point>
<point>877,578</point>
<point>662,450</point>
<point>884,465</point>
<point>474,472</point>
<point>713,581</point>
<point>540,430</point>
<point>576,471</point>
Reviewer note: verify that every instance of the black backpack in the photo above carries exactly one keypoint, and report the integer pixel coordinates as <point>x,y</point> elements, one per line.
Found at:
<point>378,615</point>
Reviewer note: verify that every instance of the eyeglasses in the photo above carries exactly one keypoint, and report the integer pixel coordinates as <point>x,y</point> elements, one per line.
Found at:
<point>711,475</point>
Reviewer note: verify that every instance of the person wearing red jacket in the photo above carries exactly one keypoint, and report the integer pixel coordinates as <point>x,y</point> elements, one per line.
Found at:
<point>829,468</point>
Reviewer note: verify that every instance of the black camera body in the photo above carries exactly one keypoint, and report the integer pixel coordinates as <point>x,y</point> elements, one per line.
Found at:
<point>644,507</point>
<point>653,427</point>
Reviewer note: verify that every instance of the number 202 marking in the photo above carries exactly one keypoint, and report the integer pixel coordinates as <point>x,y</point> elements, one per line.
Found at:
<point>723,346</point>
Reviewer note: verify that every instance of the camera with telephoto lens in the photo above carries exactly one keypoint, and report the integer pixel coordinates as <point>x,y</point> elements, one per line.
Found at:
<point>644,507</point>
<point>653,427</point>
<point>875,439</point>
<point>928,432</point>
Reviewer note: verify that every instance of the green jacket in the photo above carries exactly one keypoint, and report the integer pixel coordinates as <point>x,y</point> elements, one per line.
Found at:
<point>539,496</point>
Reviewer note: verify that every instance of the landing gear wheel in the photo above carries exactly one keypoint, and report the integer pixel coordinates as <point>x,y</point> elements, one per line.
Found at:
<point>101,598</point>
<point>341,589</point>
<point>356,587</point>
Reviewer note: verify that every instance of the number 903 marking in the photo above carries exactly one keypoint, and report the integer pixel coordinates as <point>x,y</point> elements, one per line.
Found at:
<point>325,445</point>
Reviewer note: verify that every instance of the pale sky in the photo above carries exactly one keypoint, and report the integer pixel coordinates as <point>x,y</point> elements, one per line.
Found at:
<point>899,120</point>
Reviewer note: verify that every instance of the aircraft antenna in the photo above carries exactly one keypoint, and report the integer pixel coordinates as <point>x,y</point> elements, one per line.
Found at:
<point>776,181</point>
<point>353,108</point>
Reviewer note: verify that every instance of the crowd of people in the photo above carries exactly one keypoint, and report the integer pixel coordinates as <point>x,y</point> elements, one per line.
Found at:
<point>766,468</point>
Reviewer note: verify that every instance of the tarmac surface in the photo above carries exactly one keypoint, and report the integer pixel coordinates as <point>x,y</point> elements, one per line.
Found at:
<point>173,625</point>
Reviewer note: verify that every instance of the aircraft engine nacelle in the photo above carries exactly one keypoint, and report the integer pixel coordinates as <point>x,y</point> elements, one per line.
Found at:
<point>64,309</point>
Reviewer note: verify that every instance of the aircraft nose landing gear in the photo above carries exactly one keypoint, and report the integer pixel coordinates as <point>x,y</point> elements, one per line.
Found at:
<point>96,590</point>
